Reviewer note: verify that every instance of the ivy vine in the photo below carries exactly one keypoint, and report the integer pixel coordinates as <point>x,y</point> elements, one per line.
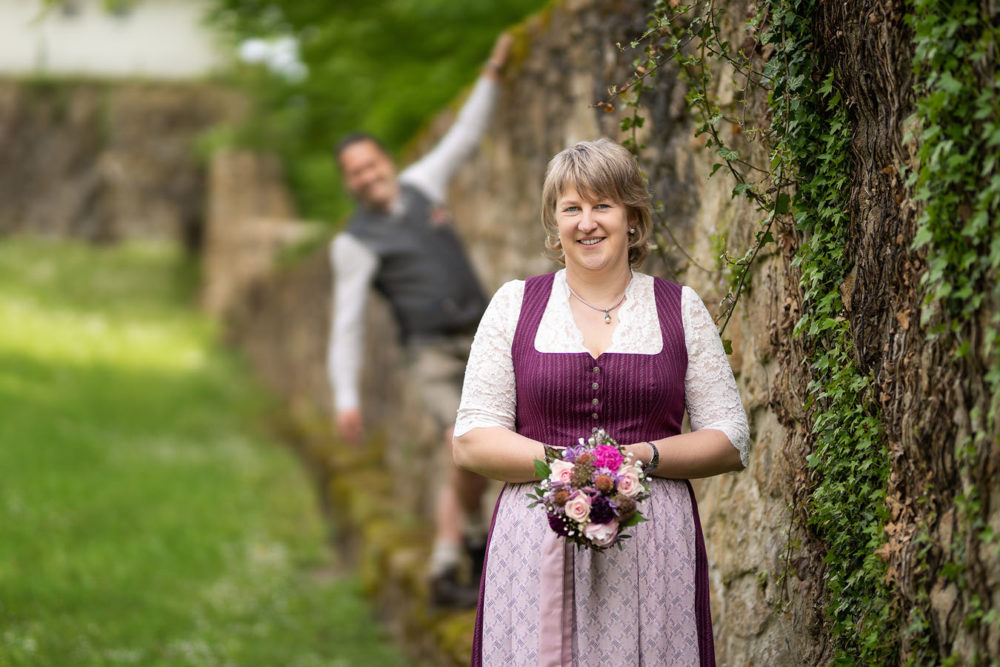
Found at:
<point>958,111</point>
<point>850,462</point>
<point>806,178</point>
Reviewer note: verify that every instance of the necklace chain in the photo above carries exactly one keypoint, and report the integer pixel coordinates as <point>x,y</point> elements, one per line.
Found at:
<point>606,311</point>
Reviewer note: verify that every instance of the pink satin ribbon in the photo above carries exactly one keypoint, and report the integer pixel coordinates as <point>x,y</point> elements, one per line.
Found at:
<point>556,608</point>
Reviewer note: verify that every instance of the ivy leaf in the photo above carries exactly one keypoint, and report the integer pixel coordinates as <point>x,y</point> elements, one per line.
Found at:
<point>949,84</point>
<point>741,189</point>
<point>923,236</point>
<point>781,203</point>
<point>728,154</point>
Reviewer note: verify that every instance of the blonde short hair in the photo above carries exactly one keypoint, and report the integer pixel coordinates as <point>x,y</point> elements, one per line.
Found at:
<point>598,169</point>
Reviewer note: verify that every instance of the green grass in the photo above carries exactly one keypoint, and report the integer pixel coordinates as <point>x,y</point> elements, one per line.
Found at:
<point>144,516</point>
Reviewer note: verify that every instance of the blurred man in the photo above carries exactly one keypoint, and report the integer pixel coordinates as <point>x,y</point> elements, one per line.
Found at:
<point>401,240</point>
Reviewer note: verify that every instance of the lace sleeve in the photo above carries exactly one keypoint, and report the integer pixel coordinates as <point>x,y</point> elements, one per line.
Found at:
<point>489,396</point>
<point>710,392</point>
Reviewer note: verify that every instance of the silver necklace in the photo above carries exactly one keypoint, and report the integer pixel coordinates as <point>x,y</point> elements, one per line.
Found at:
<point>607,311</point>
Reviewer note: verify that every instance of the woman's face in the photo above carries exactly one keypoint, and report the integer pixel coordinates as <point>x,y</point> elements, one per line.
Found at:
<point>593,234</point>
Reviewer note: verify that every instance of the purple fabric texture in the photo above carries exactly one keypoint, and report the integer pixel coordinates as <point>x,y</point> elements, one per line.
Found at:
<point>544,602</point>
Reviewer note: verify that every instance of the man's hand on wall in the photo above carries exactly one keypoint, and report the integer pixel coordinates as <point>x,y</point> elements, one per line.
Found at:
<point>350,425</point>
<point>498,57</point>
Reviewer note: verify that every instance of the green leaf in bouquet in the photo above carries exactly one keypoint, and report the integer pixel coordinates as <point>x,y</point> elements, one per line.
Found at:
<point>542,469</point>
<point>633,520</point>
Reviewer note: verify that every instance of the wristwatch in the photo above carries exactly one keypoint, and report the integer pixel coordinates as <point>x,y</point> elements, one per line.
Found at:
<point>655,461</point>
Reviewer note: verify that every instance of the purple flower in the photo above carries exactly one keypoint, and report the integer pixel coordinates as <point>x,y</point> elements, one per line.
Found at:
<point>557,524</point>
<point>601,510</point>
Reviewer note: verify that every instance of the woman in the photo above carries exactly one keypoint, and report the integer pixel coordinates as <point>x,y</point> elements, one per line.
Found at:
<point>597,345</point>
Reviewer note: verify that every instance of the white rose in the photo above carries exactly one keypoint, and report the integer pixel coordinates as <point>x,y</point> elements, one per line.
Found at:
<point>601,534</point>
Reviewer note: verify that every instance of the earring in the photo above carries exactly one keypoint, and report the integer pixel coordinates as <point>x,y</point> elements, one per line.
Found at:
<point>631,230</point>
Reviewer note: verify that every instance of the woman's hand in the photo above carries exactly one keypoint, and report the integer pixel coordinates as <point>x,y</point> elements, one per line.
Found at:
<point>498,453</point>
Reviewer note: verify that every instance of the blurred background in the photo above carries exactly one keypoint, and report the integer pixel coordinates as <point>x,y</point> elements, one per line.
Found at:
<point>152,509</point>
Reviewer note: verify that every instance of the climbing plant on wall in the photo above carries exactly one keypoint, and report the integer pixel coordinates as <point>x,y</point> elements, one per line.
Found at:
<point>958,186</point>
<point>802,188</point>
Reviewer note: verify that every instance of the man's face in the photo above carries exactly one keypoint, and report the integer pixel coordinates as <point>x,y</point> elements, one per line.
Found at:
<point>369,175</point>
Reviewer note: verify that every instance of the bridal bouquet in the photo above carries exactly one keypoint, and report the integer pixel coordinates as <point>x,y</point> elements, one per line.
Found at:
<point>591,492</point>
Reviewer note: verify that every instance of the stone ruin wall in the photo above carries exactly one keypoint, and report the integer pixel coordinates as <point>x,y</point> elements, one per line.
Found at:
<point>107,161</point>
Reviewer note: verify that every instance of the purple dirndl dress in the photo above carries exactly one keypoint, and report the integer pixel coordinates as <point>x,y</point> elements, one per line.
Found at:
<point>542,601</point>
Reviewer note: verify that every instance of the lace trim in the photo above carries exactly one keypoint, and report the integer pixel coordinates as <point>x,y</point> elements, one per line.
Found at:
<point>558,333</point>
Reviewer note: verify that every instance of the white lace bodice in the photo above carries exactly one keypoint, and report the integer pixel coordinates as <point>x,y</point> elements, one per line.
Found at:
<point>710,393</point>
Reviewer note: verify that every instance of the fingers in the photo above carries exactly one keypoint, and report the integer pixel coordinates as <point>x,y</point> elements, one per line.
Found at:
<point>501,49</point>
<point>350,426</point>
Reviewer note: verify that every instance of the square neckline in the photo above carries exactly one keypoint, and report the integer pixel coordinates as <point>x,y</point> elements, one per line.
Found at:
<point>579,338</point>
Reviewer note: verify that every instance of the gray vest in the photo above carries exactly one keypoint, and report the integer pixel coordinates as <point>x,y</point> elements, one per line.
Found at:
<point>423,270</point>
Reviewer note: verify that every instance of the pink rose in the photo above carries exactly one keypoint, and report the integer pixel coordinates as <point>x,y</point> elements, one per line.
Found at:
<point>628,483</point>
<point>561,471</point>
<point>601,534</point>
<point>608,457</point>
<point>578,507</point>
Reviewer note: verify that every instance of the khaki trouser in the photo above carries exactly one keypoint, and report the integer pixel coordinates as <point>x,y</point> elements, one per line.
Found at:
<point>437,367</point>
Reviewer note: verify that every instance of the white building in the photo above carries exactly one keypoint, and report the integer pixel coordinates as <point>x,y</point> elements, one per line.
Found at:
<point>154,39</point>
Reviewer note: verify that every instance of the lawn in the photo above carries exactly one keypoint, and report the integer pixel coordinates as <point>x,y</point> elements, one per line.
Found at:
<point>145,516</point>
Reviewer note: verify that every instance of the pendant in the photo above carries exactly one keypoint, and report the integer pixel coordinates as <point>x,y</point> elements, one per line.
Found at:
<point>607,317</point>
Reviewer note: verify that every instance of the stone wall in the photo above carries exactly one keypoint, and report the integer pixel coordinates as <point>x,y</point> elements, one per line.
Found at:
<point>106,161</point>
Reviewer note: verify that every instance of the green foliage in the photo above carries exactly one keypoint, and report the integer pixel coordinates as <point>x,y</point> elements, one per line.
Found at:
<point>807,177</point>
<point>849,462</point>
<point>690,36</point>
<point>958,114</point>
<point>382,66</point>
<point>146,520</point>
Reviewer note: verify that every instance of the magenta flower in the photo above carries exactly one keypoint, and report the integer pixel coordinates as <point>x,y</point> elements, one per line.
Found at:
<point>608,457</point>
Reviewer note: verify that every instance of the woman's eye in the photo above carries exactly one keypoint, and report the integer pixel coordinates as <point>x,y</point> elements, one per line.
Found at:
<point>603,206</point>
<point>571,209</point>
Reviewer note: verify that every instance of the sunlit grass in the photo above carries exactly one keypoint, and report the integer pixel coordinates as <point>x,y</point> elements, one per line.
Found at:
<point>144,519</point>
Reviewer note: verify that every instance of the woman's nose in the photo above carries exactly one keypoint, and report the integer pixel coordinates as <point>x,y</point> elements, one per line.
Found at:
<point>587,223</point>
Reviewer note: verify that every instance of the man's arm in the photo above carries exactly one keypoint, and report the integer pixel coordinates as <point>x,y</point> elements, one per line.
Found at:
<point>353,267</point>
<point>432,173</point>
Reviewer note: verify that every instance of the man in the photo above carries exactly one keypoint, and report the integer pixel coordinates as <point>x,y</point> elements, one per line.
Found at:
<point>401,241</point>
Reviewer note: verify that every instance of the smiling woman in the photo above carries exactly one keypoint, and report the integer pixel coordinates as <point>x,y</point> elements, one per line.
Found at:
<point>597,346</point>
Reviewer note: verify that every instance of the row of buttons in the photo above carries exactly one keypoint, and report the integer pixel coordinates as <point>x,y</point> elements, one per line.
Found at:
<point>595,386</point>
